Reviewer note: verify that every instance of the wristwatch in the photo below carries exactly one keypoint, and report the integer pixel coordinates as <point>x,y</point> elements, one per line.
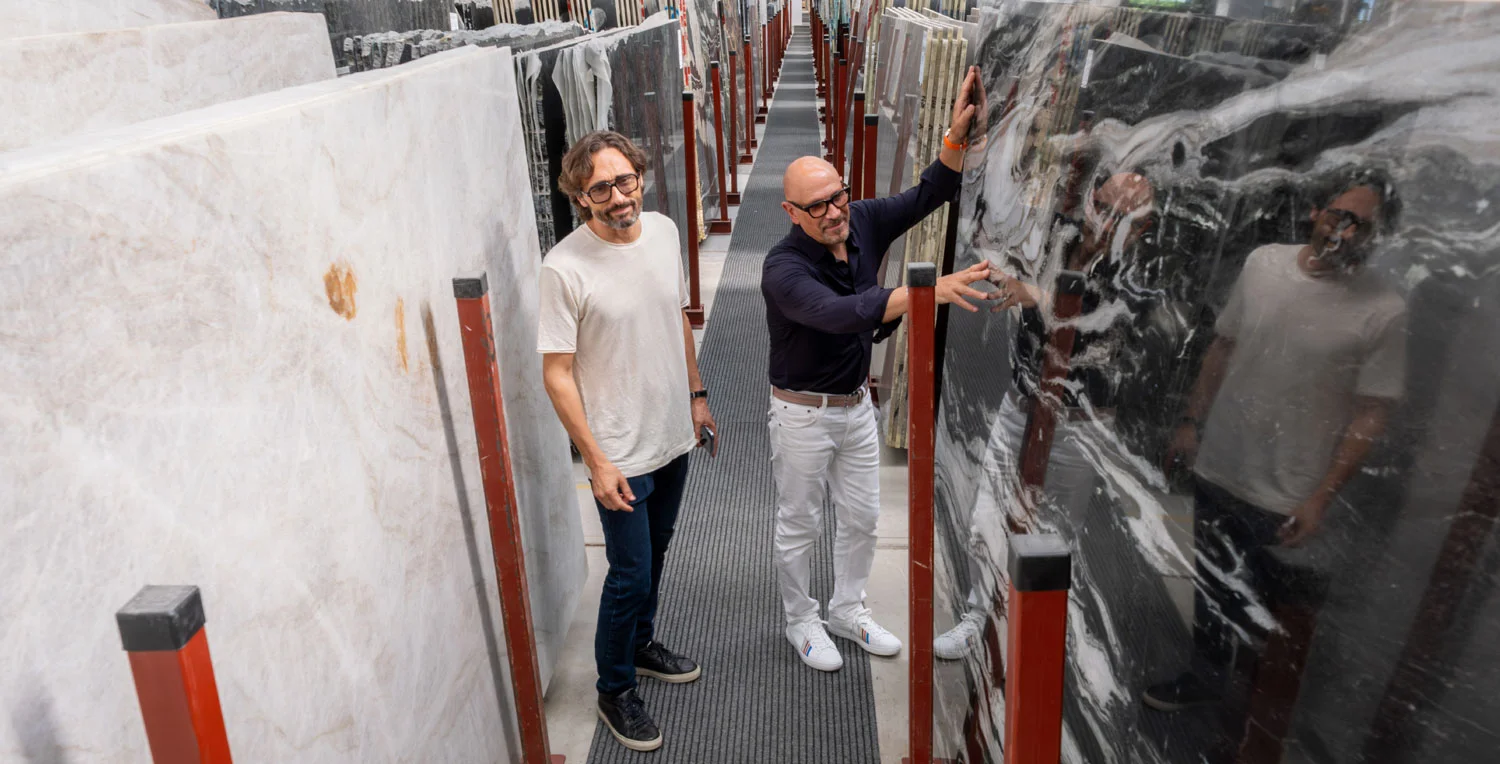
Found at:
<point>696,394</point>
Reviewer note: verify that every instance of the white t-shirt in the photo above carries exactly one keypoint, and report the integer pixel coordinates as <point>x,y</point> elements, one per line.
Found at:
<point>1305,346</point>
<point>618,309</point>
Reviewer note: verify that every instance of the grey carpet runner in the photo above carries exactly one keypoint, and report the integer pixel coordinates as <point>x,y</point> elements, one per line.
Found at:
<point>756,702</point>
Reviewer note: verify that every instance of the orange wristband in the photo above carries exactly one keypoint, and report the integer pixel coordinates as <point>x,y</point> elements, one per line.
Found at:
<point>951,144</point>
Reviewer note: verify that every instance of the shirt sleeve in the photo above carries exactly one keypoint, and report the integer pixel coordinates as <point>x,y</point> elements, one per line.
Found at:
<point>892,216</point>
<point>1383,373</point>
<point>557,322</point>
<point>803,299</point>
<point>1230,320</point>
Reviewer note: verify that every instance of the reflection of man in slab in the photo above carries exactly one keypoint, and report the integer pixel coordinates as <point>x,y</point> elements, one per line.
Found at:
<point>1292,394</point>
<point>824,309</point>
<point>1114,218</point>
<point>620,368</point>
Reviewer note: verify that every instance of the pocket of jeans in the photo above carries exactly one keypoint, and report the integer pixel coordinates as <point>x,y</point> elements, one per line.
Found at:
<point>794,417</point>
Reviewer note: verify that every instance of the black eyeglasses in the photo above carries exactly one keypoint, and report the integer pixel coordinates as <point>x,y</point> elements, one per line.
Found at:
<point>1342,220</point>
<point>1109,215</point>
<point>819,209</point>
<point>601,192</point>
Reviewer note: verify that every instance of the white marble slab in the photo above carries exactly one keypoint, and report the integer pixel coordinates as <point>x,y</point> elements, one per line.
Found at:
<point>57,85</point>
<point>230,356</point>
<point>25,18</point>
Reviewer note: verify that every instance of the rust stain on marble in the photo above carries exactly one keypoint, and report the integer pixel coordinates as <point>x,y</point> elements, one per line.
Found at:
<point>401,331</point>
<point>340,284</point>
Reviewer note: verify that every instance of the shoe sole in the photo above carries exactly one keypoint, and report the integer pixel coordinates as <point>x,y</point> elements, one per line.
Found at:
<point>864,645</point>
<point>825,669</point>
<point>1169,706</point>
<point>634,745</point>
<point>673,678</point>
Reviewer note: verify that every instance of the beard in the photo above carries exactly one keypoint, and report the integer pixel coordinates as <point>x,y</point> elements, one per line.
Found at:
<point>836,235</point>
<point>610,219</point>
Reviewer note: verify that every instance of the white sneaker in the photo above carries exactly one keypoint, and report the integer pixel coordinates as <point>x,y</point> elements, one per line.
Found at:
<point>960,640</point>
<point>867,634</point>
<point>814,647</point>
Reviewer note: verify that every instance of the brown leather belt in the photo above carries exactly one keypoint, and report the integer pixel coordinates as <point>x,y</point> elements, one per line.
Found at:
<point>806,399</point>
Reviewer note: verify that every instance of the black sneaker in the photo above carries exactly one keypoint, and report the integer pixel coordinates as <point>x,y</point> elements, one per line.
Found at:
<point>625,716</point>
<point>658,662</point>
<point>1186,691</point>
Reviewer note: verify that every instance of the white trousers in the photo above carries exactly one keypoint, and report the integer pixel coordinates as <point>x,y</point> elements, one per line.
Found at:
<point>1070,485</point>
<point>819,452</point>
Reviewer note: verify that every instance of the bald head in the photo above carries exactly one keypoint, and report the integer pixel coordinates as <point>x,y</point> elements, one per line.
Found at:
<point>1118,213</point>
<point>806,176</point>
<point>808,185</point>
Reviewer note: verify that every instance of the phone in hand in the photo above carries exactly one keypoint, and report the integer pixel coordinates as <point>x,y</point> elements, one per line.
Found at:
<point>706,439</point>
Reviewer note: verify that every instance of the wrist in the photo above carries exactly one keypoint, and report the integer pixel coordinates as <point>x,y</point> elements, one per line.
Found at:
<point>593,458</point>
<point>954,140</point>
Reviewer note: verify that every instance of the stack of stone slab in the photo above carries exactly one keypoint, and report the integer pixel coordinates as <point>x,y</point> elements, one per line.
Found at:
<point>382,50</point>
<point>924,80</point>
<point>232,359</point>
<point>628,80</point>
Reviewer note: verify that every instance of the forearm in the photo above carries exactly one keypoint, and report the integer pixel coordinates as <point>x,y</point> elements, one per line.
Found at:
<point>1210,378</point>
<point>568,403</point>
<point>896,305</point>
<point>695,380</point>
<point>1367,426</point>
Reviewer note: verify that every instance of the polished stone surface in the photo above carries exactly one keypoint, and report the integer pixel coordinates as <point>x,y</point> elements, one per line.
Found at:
<point>1372,640</point>
<point>232,359</point>
<point>70,83</point>
<point>27,18</point>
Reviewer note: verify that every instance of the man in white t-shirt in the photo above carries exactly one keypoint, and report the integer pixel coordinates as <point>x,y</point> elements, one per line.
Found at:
<point>620,368</point>
<point>1310,355</point>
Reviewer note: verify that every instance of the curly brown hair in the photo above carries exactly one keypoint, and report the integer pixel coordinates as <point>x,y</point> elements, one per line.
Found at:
<point>578,163</point>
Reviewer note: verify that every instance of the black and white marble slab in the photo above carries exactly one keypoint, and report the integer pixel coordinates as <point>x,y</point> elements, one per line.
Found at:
<point>1243,125</point>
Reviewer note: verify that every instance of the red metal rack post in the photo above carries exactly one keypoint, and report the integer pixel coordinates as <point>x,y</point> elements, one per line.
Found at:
<point>161,628</point>
<point>765,73</point>
<point>1036,649</point>
<point>872,136</point>
<point>857,159</point>
<point>1041,425</point>
<point>839,112</point>
<point>1459,567</point>
<point>921,280</point>
<point>750,142</point>
<point>690,155</point>
<point>472,294</point>
<point>826,94</point>
<point>722,223</point>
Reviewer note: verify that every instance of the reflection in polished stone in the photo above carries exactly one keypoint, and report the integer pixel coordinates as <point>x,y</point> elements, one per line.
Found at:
<point>1275,412</point>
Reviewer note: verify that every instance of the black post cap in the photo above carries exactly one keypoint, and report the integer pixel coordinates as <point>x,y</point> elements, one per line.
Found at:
<point>921,275</point>
<point>1040,562</point>
<point>687,96</point>
<point>859,95</point>
<point>160,618</point>
<point>872,119</point>
<point>1070,282</point>
<point>471,286</point>
<point>713,64</point>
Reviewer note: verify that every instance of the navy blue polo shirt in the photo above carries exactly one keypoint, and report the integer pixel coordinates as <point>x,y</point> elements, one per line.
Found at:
<point>824,315</point>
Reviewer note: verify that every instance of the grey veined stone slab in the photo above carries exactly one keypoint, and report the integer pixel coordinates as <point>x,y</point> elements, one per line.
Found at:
<point>57,85</point>
<point>233,360</point>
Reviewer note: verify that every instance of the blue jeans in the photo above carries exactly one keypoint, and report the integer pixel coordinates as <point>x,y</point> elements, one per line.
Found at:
<point>636,545</point>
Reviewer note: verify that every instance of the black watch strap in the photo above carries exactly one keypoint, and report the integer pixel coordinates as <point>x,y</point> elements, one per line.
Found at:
<point>696,394</point>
